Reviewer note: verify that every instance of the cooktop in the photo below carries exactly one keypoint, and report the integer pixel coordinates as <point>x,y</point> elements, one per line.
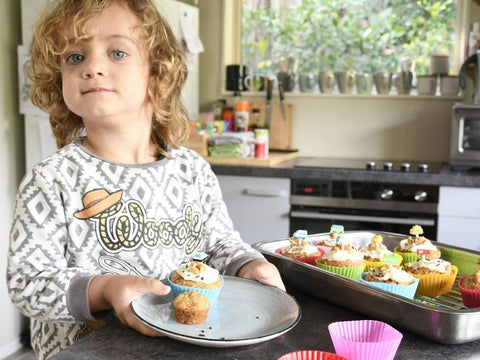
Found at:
<point>369,164</point>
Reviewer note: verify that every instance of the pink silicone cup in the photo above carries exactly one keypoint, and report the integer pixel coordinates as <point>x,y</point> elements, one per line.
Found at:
<point>308,259</point>
<point>365,339</point>
<point>310,355</point>
<point>471,298</point>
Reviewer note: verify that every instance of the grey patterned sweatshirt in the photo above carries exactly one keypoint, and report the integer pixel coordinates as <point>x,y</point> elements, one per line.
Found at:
<point>77,216</point>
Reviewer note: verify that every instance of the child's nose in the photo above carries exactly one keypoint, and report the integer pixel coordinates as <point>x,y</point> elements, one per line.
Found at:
<point>94,66</point>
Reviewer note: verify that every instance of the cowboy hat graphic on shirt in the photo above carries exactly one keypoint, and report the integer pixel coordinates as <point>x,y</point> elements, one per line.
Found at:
<point>97,201</point>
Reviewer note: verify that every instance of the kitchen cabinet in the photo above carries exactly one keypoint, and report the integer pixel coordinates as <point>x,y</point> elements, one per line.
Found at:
<point>258,206</point>
<point>459,217</point>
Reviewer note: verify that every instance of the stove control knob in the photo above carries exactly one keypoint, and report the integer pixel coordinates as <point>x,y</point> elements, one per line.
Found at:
<point>386,194</point>
<point>423,168</point>
<point>420,196</point>
<point>388,166</point>
<point>371,165</point>
<point>405,167</point>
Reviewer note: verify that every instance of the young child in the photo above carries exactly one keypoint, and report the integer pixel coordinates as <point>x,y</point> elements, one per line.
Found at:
<point>120,204</point>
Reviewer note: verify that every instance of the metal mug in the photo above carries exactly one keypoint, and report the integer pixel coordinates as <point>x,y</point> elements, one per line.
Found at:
<point>346,81</point>
<point>307,82</point>
<point>364,83</point>
<point>326,81</point>
<point>383,82</point>
<point>403,82</point>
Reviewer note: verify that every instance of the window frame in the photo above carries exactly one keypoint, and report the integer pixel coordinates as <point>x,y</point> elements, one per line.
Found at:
<point>232,34</point>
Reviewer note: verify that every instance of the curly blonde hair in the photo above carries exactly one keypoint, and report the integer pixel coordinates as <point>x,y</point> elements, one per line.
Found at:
<point>168,72</point>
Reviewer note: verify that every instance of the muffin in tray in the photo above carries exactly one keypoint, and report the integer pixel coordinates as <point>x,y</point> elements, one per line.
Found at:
<point>436,276</point>
<point>416,245</point>
<point>343,260</point>
<point>300,249</point>
<point>376,254</point>
<point>470,289</point>
<point>336,232</point>
<point>191,307</point>
<point>197,276</point>
<point>391,278</point>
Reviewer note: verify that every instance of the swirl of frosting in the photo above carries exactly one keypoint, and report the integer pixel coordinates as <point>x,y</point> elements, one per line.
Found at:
<point>375,250</point>
<point>300,247</point>
<point>438,265</point>
<point>197,271</point>
<point>343,253</point>
<point>391,272</point>
<point>412,244</point>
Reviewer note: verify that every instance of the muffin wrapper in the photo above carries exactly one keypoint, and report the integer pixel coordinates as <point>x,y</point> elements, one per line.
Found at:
<point>470,297</point>
<point>352,272</point>
<point>307,259</point>
<point>310,355</point>
<point>365,339</point>
<point>374,264</point>
<point>436,284</point>
<point>466,262</point>
<point>210,294</point>
<point>404,290</point>
<point>407,256</point>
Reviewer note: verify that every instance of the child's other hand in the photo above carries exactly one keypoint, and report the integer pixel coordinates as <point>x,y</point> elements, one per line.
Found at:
<point>262,271</point>
<point>118,291</point>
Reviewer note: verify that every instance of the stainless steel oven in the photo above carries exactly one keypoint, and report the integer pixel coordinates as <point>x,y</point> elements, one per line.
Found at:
<point>363,205</point>
<point>465,136</point>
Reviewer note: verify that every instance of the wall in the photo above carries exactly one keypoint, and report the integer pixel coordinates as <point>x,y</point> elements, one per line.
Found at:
<point>11,164</point>
<point>399,128</point>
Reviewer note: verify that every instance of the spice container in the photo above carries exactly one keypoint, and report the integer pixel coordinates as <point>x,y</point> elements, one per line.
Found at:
<point>439,64</point>
<point>241,115</point>
<point>261,143</point>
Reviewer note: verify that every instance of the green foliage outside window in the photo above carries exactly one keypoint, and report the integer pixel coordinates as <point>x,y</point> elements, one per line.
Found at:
<point>361,35</point>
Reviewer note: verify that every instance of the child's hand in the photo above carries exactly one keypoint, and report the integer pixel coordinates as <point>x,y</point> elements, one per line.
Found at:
<point>118,291</point>
<point>262,271</point>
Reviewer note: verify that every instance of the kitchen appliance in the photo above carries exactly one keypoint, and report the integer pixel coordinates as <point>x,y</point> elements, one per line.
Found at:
<point>472,62</point>
<point>316,204</point>
<point>465,137</point>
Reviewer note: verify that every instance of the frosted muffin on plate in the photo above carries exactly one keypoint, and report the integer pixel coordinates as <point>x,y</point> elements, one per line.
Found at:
<point>196,276</point>
<point>436,275</point>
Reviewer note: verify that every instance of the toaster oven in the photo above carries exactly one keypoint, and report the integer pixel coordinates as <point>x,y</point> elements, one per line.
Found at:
<point>465,136</point>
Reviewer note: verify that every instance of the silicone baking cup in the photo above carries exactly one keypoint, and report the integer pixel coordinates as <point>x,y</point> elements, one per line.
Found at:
<point>306,259</point>
<point>470,297</point>
<point>310,355</point>
<point>352,272</point>
<point>407,291</point>
<point>210,294</point>
<point>435,284</point>
<point>365,339</point>
<point>374,264</point>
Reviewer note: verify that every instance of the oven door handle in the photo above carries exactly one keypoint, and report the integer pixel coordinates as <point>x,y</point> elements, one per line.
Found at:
<point>346,217</point>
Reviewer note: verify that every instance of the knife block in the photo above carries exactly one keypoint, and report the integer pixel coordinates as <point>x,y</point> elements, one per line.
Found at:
<point>280,130</point>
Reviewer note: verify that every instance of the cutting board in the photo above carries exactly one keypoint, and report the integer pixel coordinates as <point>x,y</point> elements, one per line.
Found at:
<point>274,158</point>
<point>280,129</point>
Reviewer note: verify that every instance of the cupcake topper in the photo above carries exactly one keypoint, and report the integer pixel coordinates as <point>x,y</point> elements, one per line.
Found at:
<point>340,240</point>
<point>200,256</point>
<point>422,251</point>
<point>336,229</point>
<point>377,239</point>
<point>300,234</point>
<point>416,230</point>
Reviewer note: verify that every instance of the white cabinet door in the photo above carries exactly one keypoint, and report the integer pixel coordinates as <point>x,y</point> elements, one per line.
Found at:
<point>459,217</point>
<point>258,206</point>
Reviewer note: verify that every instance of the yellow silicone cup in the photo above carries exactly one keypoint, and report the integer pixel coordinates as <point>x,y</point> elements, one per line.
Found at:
<point>436,284</point>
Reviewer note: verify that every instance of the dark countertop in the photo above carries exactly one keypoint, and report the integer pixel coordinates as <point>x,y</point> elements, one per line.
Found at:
<point>115,341</point>
<point>444,177</point>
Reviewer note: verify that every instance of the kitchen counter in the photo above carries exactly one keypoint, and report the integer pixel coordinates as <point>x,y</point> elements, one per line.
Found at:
<point>115,341</point>
<point>444,177</point>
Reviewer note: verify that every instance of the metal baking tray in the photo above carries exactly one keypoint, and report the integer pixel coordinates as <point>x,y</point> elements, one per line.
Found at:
<point>443,319</point>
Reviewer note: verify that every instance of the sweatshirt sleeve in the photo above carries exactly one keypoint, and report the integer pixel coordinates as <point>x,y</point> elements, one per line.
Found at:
<point>38,272</point>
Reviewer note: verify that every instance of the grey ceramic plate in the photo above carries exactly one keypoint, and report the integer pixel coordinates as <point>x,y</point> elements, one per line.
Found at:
<point>246,312</point>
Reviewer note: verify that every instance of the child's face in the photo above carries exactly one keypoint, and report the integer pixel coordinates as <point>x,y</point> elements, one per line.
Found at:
<point>106,76</point>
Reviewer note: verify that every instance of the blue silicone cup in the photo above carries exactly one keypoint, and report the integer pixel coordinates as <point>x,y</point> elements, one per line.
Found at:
<point>210,294</point>
<point>407,291</point>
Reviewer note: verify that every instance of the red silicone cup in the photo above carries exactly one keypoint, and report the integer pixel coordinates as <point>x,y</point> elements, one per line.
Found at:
<point>308,259</point>
<point>310,355</point>
<point>365,339</point>
<point>470,297</point>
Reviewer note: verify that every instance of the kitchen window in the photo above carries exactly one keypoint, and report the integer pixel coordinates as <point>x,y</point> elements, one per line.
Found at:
<point>262,57</point>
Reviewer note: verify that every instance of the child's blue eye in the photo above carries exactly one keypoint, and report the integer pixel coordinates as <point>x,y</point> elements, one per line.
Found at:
<point>119,54</point>
<point>75,58</point>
